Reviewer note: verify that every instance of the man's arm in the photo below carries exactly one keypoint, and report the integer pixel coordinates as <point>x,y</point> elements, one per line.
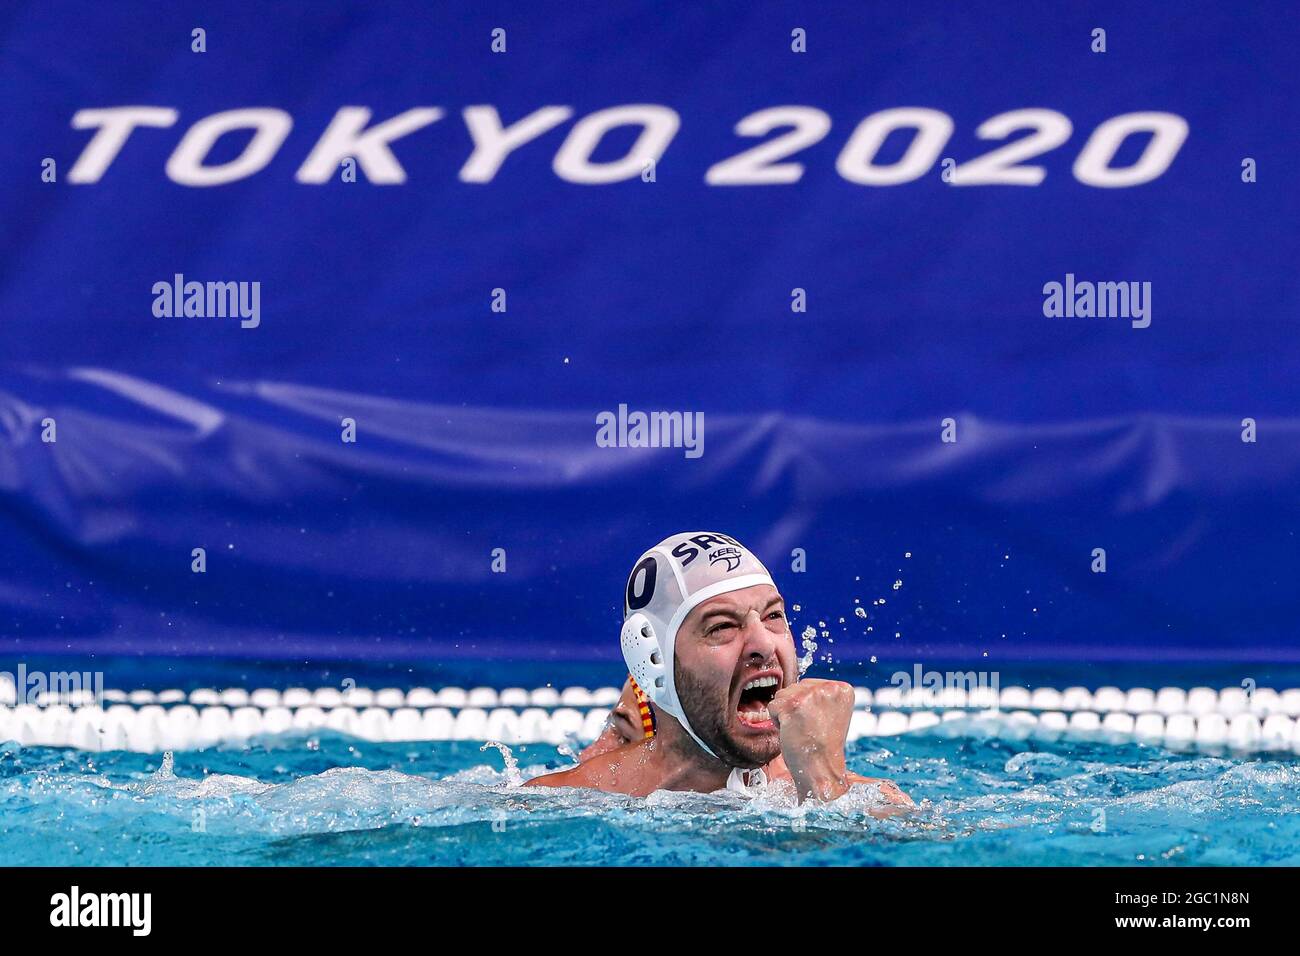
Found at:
<point>813,718</point>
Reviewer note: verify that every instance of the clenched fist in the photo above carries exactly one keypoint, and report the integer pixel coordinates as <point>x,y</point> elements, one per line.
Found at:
<point>813,719</point>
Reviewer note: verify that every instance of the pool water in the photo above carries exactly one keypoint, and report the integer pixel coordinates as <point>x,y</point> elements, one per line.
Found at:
<point>327,799</point>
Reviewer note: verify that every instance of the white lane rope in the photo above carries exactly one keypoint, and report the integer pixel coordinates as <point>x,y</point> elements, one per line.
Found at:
<point>1261,721</point>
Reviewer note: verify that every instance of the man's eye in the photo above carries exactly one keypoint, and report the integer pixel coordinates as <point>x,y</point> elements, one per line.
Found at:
<point>776,615</point>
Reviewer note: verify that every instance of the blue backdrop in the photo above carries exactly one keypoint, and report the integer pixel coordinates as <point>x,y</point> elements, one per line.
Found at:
<point>476,429</point>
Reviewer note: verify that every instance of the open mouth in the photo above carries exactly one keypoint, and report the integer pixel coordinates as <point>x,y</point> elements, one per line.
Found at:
<point>755,695</point>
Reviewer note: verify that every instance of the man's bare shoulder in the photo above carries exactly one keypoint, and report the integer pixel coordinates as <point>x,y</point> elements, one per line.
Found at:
<point>559,778</point>
<point>598,773</point>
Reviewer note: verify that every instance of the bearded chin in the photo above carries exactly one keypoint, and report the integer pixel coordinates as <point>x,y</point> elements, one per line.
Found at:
<point>710,719</point>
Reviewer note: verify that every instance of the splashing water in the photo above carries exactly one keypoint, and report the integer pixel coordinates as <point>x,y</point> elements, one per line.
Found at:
<point>982,802</point>
<point>513,777</point>
<point>809,641</point>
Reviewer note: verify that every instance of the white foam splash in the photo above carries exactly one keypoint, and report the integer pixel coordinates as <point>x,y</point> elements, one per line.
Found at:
<point>513,776</point>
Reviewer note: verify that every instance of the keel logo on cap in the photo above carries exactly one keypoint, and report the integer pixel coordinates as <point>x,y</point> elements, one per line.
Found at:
<point>731,556</point>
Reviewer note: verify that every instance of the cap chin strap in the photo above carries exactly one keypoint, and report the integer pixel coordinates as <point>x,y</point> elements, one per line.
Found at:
<point>668,699</point>
<point>747,782</point>
<point>677,711</point>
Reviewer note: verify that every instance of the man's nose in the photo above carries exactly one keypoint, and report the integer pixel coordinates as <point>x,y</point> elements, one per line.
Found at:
<point>760,642</point>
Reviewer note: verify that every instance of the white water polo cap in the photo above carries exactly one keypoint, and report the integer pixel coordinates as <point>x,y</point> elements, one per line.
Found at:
<point>667,583</point>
